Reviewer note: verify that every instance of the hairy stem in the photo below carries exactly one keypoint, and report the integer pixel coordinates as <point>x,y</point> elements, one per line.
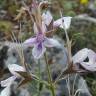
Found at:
<point>49,76</point>
<point>68,41</point>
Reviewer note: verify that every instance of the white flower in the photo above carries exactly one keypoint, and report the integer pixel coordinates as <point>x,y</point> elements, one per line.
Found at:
<point>80,55</point>
<point>91,64</point>
<point>84,54</point>
<point>47,17</point>
<point>7,84</point>
<point>13,68</point>
<point>62,22</point>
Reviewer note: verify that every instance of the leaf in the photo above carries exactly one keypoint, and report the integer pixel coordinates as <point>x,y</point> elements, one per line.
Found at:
<point>40,86</point>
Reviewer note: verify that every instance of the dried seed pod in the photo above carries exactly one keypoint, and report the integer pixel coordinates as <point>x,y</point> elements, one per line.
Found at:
<point>44,5</point>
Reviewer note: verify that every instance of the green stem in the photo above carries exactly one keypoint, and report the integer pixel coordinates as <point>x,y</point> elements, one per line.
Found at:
<point>49,76</point>
<point>39,75</point>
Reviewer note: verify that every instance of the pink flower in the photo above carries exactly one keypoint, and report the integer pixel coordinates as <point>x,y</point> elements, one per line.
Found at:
<point>84,54</point>
<point>40,42</point>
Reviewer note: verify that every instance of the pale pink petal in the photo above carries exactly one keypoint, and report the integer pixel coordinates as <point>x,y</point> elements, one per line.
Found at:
<point>89,66</point>
<point>47,17</point>
<point>8,81</point>
<point>49,42</point>
<point>80,56</point>
<point>63,22</point>
<point>13,68</point>
<point>38,51</point>
<point>6,91</point>
<point>92,56</point>
<point>30,41</point>
<point>44,29</point>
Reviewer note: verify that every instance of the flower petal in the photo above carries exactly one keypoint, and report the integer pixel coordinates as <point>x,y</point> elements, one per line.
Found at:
<point>92,56</point>
<point>14,67</point>
<point>44,29</point>
<point>59,22</point>
<point>38,50</point>
<point>89,66</point>
<point>80,56</point>
<point>47,17</point>
<point>8,81</point>
<point>49,42</point>
<point>6,91</point>
<point>30,41</point>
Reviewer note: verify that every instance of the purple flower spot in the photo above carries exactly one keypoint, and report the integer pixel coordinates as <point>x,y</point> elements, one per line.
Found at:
<point>39,46</point>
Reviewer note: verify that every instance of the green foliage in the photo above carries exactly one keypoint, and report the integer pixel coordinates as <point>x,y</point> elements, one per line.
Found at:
<point>5,26</point>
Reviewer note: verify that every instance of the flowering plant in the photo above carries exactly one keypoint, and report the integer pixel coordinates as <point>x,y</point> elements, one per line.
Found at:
<point>44,27</point>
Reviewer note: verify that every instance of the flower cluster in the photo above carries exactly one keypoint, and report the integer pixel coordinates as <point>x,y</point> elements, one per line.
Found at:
<point>40,41</point>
